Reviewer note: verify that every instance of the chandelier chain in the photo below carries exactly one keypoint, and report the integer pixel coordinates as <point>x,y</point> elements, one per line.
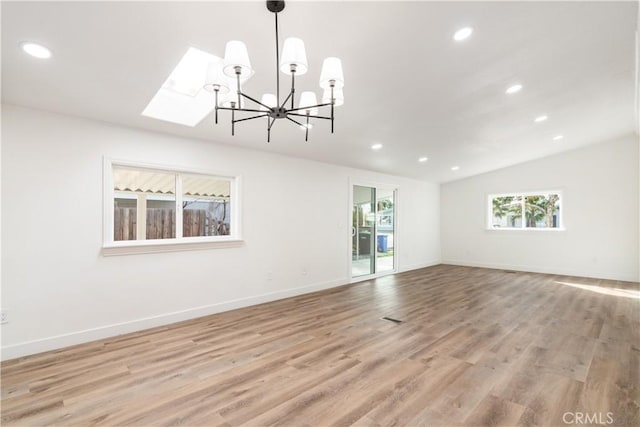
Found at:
<point>277,62</point>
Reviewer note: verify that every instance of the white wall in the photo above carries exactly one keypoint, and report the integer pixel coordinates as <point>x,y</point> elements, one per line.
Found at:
<point>57,287</point>
<point>600,203</point>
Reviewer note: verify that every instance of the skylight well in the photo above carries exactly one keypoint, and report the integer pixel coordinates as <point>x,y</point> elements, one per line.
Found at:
<point>181,99</point>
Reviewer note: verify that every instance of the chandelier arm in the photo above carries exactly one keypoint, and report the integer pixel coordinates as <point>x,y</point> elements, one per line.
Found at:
<point>238,83</point>
<point>250,118</point>
<point>216,101</point>
<point>285,101</point>
<point>273,120</point>
<point>270,122</point>
<point>293,85</point>
<point>309,107</point>
<point>304,115</point>
<point>256,101</point>
<point>294,121</point>
<point>306,130</point>
<point>243,110</point>
<point>333,101</point>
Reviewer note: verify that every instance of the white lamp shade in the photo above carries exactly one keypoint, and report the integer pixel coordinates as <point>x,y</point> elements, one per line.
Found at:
<point>293,53</point>
<point>236,55</point>
<point>215,77</point>
<point>269,100</point>
<point>338,95</point>
<point>331,70</point>
<point>308,99</point>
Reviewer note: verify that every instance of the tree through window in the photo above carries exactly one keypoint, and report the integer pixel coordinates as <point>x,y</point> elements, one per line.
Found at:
<point>525,210</point>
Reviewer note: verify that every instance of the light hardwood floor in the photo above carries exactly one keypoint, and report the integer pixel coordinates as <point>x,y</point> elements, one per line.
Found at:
<point>477,347</point>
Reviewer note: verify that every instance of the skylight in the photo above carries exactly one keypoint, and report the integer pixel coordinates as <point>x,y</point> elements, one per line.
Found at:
<point>181,99</point>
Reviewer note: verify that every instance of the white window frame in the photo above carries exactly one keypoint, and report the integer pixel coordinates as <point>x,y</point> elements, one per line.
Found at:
<point>524,194</point>
<point>179,243</point>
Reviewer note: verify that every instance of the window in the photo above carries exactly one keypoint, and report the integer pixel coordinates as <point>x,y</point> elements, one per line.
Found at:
<point>206,207</point>
<point>519,211</point>
<point>145,205</point>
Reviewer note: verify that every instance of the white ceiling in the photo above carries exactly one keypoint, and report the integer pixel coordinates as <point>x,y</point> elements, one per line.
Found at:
<point>408,85</point>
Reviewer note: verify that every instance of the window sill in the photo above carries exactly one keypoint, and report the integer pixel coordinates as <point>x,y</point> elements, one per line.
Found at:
<point>155,246</point>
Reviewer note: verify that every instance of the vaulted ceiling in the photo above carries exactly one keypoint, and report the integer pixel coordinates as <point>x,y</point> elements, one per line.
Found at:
<point>408,85</point>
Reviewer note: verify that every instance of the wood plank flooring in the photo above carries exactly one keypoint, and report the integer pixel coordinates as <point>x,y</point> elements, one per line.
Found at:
<point>476,347</point>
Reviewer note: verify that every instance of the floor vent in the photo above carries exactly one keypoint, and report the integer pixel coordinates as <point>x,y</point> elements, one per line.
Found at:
<point>391,319</point>
<point>509,271</point>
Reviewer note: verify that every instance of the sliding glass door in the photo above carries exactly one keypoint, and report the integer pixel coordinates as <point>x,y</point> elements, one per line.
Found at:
<point>385,230</point>
<point>363,231</point>
<point>372,231</point>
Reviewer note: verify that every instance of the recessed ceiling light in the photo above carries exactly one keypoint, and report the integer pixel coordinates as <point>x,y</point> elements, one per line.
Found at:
<point>462,33</point>
<point>455,168</point>
<point>558,137</point>
<point>376,146</point>
<point>36,50</point>
<point>540,119</point>
<point>513,89</point>
<point>423,159</point>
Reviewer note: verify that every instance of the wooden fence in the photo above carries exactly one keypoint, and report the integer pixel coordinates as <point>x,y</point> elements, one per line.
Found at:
<point>125,222</point>
<point>161,224</point>
<point>194,223</point>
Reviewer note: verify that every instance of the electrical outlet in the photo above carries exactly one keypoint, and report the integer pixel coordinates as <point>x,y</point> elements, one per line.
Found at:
<point>3,317</point>
<point>269,276</point>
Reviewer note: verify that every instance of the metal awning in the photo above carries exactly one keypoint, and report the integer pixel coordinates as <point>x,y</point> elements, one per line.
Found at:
<point>141,181</point>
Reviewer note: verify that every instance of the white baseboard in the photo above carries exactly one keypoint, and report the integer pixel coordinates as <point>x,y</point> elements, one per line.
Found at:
<point>79,337</point>
<point>400,270</point>
<point>431,263</point>
<point>537,269</point>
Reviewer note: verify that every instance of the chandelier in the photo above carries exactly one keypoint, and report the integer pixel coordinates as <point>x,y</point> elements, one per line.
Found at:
<point>225,78</point>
